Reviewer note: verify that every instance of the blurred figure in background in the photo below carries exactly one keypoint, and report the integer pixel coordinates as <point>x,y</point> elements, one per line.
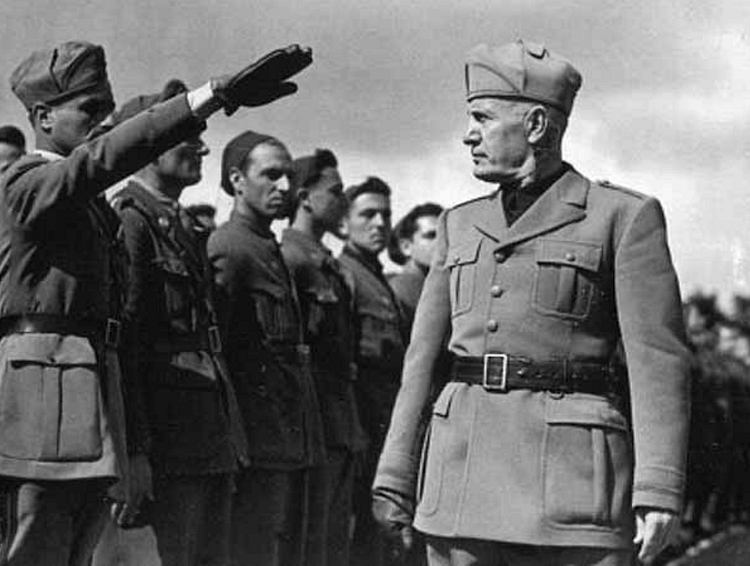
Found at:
<point>412,245</point>
<point>12,146</point>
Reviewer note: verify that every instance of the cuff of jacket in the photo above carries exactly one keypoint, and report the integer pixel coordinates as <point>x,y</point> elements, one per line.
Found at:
<point>397,472</point>
<point>659,487</point>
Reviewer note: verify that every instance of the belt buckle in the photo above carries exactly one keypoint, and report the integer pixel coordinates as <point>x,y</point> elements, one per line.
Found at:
<point>112,332</point>
<point>493,386</point>
<point>214,339</point>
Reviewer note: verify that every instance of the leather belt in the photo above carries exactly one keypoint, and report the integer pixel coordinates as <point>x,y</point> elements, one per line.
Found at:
<point>107,332</point>
<point>503,372</point>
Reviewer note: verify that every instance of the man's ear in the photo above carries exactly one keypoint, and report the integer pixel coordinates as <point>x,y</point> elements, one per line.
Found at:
<point>536,124</point>
<point>41,115</point>
<point>236,179</point>
<point>404,245</point>
<point>343,231</point>
<point>303,198</point>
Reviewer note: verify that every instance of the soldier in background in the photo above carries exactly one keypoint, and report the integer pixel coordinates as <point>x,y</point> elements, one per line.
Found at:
<point>188,438</point>
<point>268,359</point>
<point>411,245</point>
<point>12,146</point>
<point>380,332</point>
<point>318,205</point>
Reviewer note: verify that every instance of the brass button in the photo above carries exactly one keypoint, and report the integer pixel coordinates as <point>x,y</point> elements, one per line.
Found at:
<point>500,256</point>
<point>570,256</point>
<point>496,291</point>
<point>492,325</point>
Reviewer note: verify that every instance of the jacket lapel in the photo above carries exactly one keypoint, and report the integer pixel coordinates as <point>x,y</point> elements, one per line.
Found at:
<point>491,220</point>
<point>563,203</point>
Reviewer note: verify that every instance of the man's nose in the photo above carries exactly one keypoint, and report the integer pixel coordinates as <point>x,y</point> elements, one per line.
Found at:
<point>378,219</point>
<point>202,149</point>
<point>471,137</point>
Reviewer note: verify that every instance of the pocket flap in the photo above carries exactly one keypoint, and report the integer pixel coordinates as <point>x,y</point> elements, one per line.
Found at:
<point>442,406</point>
<point>383,314</point>
<point>462,252</point>
<point>50,349</point>
<point>591,411</point>
<point>584,255</point>
<point>324,296</point>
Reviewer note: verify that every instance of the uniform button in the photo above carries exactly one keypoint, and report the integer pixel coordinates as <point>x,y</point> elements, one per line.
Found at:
<point>492,325</point>
<point>496,291</point>
<point>570,256</point>
<point>500,256</point>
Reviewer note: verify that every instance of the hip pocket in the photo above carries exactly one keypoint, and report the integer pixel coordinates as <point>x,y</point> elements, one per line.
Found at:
<point>50,400</point>
<point>587,463</point>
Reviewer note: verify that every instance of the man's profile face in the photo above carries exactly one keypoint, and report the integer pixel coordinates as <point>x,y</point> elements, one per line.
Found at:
<point>182,164</point>
<point>265,181</point>
<point>496,138</point>
<point>71,122</point>
<point>326,199</point>
<point>421,246</point>
<point>9,153</point>
<point>367,224</point>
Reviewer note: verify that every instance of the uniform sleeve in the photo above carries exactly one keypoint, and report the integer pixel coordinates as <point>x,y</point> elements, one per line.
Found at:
<point>399,461</point>
<point>40,194</point>
<point>140,289</point>
<point>658,360</point>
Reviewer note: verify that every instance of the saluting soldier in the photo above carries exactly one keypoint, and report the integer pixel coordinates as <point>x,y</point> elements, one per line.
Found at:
<point>532,457</point>
<point>268,359</point>
<point>318,204</point>
<point>61,423</point>
<point>380,333</point>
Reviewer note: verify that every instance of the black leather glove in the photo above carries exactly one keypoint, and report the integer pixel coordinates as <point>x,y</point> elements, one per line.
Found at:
<point>263,81</point>
<point>394,514</point>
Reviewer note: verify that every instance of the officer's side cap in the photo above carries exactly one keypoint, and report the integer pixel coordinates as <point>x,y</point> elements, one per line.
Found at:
<point>523,71</point>
<point>56,75</point>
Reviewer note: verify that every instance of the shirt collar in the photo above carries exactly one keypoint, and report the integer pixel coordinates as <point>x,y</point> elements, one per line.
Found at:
<point>252,224</point>
<point>48,155</point>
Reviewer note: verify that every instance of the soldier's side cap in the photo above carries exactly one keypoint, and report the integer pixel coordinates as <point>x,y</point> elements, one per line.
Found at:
<point>523,71</point>
<point>235,153</point>
<point>56,75</point>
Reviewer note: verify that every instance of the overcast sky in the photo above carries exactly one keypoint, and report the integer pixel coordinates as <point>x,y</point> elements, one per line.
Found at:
<point>664,107</point>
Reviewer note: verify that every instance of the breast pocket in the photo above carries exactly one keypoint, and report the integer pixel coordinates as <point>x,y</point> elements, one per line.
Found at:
<point>50,399</point>
<point>587,463</point>
<point>322,305</point>
<point>274,311</point>
<point>565,279</point>
<point>178,291</point>
<point>462,263</point>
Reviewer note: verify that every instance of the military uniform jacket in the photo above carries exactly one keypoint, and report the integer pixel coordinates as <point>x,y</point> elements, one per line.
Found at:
<point>327,312</point>
<point>268,360</point>
<point>187,420</point>
<point>59,415</point>
<point>380,333</point>
<point>585,266</point>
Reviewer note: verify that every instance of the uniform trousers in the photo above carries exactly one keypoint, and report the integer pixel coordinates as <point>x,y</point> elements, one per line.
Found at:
<point>190,516</point>
<point>269,517</point>
<point>330,491</point>
<point>52,523</point>
<point>442,551</point>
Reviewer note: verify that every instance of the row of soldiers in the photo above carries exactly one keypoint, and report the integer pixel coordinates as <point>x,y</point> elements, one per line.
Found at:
<point>718,490</point>
<point>227,389</point>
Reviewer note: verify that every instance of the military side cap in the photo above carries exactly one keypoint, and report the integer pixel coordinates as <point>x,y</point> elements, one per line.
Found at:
<point>523,71</point>
<point>56,75</point>
<point>235,153</point>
